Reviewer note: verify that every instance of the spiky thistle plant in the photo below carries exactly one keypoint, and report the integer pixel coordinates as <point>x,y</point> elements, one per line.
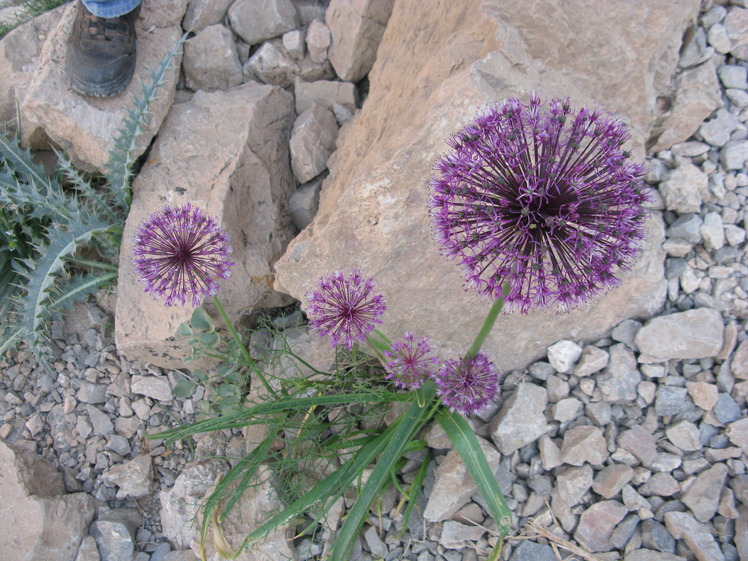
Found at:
<point>57,222</point>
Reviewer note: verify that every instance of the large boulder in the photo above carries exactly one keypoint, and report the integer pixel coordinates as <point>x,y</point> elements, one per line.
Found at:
<point>460,56</point>
<point>38,521</point>
<point>226,152</point>
<point>53,115</point>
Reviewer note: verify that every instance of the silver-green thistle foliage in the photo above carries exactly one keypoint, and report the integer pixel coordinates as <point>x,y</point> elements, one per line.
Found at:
<point>74,216</point>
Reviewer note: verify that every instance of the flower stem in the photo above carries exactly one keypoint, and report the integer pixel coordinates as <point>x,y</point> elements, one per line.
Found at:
<point>488,323</point>
<point>245,353</point>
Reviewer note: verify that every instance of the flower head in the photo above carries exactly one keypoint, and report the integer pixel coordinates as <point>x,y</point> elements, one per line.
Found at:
<point>345,308</point>
<point>180,253</point>
<point>410,362</point>
<point>467,385</point>
<point>545,201</point>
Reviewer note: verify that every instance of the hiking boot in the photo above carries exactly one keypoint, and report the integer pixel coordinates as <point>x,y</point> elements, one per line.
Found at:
<point>100,57</point>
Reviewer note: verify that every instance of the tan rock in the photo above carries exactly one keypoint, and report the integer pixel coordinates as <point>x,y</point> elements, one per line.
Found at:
<point>211,61</point>
<point>38,521</point>
<point>19,61</point>
<point>85,127</point>
<point>356,29</point>
<point>459,56</point>
<point>695,96</point>
<point>226,152</point>
<point>202,13</point>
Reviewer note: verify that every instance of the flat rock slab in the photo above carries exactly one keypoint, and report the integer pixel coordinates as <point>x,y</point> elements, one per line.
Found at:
<point>373,211</point>
<point>685,335</point>
<point>226,152</point>
<point>85,127</point>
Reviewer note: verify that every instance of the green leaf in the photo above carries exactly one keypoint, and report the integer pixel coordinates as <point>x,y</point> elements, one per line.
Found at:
<point>201,321</point>
<point>184,388</point>
<point>208,339</point>
<point>184,330</point>
<point>466,444</point>
<point>410,422</point>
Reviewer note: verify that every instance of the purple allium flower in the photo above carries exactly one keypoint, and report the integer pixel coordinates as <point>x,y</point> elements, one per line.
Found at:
<point>544,200</point>
<point>180,253</point>
<point>345,308</point>
<point>410,362</point>
<point>467,385</point>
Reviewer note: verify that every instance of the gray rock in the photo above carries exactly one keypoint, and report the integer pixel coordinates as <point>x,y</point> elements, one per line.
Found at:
<point>202,13</point>
<point>88,550</point>
<point>155,387</point>
<point>640,442</point>
<point>619,380</point>
<point>455,534</point>
<point>695,50</point>
<point>737,432</point>
<point>649,555</point>
<point>374,543</point>
<point>733,76</point>
<point>92,393</point>
<point>521,419</point>
<point>610,480</point>
<point>685,435</point>
<point>712,231</point>
<point>687,227</point>
<point>294,45</point>
<point>597,523</point>
<point>697,536</point>
<point>304,202</point>
<point>312,141</point>
<point>625,332</point>
<point>271,64</point>
<point>584,444</point>
<point>741,533</point>
<point>684,189</point>
<point>102,424</point>
<point>318,41</point>
<point>671,400</point>
<point>258,20</point>
<point>661,484</point>
<point>717,130</point>
<point>624,531</point>
<point>734,154</point>
<point>739,362</point>
<point>655,536</point>
<point>528,550</point>
<point>356,30</point>
<point>211,61</point>
<point>726,410</point>
<point>566,409</point>
<point>454,486</point>
<point>718,38</point>
<point>134,478</point>
<point>691,334</point>
<point>114,533</point>
<point>572,483</point>
<point>736,23</point>
<point>592,360</point>
<point>703,496</point>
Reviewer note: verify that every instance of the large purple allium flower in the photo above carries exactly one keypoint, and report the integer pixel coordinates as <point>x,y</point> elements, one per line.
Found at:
<point>345,308</point>
<point>410,362</point>
<point>544,200</point>
<point>467,385</point>
<point>180,253</point>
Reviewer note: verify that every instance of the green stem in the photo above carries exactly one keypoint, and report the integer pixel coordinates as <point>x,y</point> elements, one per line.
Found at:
<point>245,353</point>
<point>485,329</point>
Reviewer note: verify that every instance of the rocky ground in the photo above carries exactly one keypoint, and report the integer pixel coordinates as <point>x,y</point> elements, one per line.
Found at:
<point>626,447</point>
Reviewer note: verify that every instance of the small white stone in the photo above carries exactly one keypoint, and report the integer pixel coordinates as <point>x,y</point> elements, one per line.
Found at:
<point>734,235</point>
<point>718,38</point>
<point>563,354</point>
<point>712,231</point>
<point>293,42</point>
<point>733,76</point>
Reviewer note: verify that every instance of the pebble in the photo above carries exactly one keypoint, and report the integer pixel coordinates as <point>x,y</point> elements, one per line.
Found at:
<point>697,536</point>
<point>684,435</point>
<point>584,444</point>
<point>563,355</point>
<point>610,480</point>
<point>597,523</point>
<point>155,387</point>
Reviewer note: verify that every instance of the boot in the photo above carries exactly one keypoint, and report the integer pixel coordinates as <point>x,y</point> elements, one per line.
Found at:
<point>100,57</point>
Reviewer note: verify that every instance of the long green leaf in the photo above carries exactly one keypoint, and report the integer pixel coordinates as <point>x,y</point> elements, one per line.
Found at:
<point>465,442</point>
<point>255,414</point>
<point>412,420</point>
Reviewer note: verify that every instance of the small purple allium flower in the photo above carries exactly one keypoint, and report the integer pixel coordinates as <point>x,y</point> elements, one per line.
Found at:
<point>467,385</point>
<point>544,200</point>
<point>345,308</point>
<point>180,253</point>
<point>410,362</point>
